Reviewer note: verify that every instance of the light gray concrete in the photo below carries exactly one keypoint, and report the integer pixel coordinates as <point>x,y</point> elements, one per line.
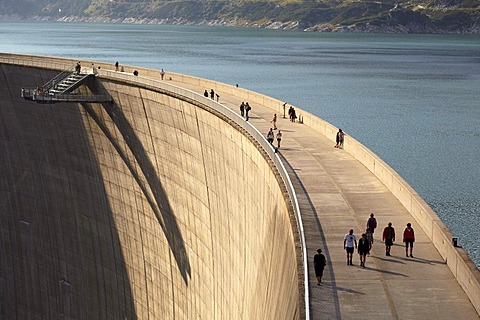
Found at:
<point>337,193</point>
<point>149,207</point>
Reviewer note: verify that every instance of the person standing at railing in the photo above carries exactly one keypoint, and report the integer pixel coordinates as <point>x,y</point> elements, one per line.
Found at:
<point>270,136</point>
<point>116,66</point>
<point>242,109</point>
<point>339,139</point>
<point>279,138</point>
<point>247,110</point>
<point>162,74</point>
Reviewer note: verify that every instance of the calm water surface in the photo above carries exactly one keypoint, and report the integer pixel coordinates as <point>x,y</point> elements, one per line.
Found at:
<point>412,99</point>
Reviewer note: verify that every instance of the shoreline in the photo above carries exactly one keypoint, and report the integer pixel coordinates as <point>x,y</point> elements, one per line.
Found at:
<point>275,25</point>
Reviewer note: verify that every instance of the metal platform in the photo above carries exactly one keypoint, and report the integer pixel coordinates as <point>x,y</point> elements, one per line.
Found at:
<point>62,88</point>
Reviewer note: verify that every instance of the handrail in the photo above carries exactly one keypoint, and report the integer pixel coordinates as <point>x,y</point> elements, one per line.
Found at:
<point>253,131</point>
<point>58,78</point>
<point>49,63</point>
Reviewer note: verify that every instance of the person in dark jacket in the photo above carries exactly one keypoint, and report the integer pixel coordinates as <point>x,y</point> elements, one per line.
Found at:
<point>372,224</point>
<point>319,263</point>
<point>388,237</point>
<point>363,249</point>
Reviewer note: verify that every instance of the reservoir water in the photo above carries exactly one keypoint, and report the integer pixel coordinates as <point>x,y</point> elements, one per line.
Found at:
<point>414,100</point>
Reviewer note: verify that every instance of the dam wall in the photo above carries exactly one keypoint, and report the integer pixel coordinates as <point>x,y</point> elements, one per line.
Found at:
<point>150,207</point>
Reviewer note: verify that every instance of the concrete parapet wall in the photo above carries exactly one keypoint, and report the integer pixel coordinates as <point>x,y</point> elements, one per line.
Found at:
<point>462,267</point>
<point>151,207</point>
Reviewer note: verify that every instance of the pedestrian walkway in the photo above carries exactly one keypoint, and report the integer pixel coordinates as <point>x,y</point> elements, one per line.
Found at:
<point>337,193</point>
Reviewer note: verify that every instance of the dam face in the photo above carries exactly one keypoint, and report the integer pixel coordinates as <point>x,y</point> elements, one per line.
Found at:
<point>149,207</point>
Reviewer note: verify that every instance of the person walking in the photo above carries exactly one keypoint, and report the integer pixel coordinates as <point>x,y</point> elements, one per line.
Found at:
<point>279,138</point>
<point>274,121</point>
<point>372,224</point>
<point>212,94</point>
<point>350,244</point>
<point>369,235</point>
<point>116,66</point>
<point>270,136</point>
<point>409,239</point>
<point>388,237</point>
<point>319,263</point>
<point>242,109</point>
<point>247,110</point>
<point>363,249</point>
<point>339,139</point>
<point>162,74</point>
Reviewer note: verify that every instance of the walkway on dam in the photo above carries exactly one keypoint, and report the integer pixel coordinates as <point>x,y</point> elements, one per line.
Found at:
<point>336,193</point>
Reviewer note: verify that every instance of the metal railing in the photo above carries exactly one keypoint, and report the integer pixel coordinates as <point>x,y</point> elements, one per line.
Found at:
<point>46,97</point>
<point>247,126</point>
<point>49,63</point>
<point>57,79</point>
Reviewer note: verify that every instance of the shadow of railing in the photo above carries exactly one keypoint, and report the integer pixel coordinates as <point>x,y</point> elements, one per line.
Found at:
<point>207,103</point>
<point>159,203</point>
<point>157,85</point>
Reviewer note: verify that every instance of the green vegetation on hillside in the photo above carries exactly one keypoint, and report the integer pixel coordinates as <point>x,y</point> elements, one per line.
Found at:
<point>326,15</point>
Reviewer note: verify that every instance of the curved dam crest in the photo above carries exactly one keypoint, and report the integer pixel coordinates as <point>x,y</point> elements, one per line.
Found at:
<point>143,208</point>
<point>173,207</point>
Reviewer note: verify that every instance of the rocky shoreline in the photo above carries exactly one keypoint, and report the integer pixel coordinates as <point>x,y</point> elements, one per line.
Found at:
<point>290,25</point>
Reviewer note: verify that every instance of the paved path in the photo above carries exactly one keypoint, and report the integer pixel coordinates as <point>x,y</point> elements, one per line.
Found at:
<point>337,193</point>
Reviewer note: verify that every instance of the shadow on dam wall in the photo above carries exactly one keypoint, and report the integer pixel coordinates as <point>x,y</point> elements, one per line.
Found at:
<point>147,207</point>
<point>60,254</point>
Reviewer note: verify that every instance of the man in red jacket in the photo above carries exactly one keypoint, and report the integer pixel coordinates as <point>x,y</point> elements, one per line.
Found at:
<point>409,239</point>
<point>389,237</point>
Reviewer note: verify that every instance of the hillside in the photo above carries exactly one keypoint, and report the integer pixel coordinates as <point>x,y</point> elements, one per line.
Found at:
<point>415,16</point>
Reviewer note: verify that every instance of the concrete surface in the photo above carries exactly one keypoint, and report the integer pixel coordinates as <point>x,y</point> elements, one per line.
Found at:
<point>148,208</point>
<point>337,190</point>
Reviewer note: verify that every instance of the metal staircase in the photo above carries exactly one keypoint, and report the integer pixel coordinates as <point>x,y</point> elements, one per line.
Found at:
<point>62,88</point>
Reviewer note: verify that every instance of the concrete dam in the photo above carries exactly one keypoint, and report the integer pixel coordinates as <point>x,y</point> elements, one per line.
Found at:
<point>130,197</point>
<point>152,206</point>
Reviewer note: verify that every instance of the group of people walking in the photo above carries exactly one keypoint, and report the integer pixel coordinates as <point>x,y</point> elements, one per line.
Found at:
<point>271,135</point>
<point>245,110</point>
<point>388,236</point>
<point>364,244</point>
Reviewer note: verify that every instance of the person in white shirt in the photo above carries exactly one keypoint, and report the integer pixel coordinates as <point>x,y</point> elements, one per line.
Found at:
<point>350,244</point>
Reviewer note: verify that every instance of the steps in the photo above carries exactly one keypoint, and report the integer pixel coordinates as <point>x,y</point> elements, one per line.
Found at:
<point>61,89</point>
